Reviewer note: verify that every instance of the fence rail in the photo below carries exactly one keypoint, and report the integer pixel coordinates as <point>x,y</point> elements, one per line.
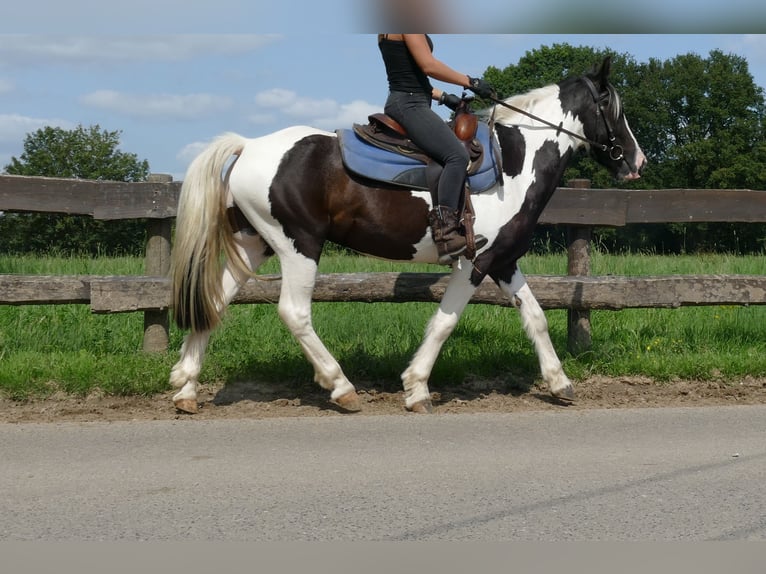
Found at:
<point>125,294</point>
<point>576,206</point>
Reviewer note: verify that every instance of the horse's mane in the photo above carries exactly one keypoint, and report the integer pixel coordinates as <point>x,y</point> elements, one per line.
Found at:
<point>524,101</point>
<point>528,100</point>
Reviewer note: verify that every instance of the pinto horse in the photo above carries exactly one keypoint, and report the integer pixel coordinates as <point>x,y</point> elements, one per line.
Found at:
<point>289,192</point>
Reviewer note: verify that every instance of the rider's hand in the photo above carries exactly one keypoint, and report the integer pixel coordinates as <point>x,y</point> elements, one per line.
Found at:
<point>480,87</point>
<point>450,100</point>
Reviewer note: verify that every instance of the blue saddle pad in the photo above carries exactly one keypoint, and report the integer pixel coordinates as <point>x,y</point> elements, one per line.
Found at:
<point>378,164</point>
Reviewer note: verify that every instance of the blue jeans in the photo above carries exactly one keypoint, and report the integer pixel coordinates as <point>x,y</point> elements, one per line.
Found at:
<point>431,134</point>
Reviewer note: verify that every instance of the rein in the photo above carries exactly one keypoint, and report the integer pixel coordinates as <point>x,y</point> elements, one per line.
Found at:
<point>615,150</point>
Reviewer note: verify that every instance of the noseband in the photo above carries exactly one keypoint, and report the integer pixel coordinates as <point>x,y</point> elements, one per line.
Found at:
<point>615,150</point>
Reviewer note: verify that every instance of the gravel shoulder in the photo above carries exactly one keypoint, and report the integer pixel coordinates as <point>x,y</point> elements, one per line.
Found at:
<point>253,400</point>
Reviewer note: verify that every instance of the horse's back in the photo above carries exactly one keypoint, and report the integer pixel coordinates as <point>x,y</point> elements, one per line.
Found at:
<point>283,140</point>
<point>261,157</point>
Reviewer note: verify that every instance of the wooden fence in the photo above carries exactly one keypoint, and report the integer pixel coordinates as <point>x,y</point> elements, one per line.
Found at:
<point>577,206</point>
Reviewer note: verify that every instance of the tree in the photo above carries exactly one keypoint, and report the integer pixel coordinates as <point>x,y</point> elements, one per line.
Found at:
<point>83,153</point>
<point>704,120</point>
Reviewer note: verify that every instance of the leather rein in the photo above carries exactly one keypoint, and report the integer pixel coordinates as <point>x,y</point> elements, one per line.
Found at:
<point>615,150</point>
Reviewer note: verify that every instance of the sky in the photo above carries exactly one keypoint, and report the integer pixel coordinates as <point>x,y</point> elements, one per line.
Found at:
<point>173,81</point>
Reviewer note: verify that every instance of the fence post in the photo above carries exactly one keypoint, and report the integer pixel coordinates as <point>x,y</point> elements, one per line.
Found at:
<point>157,263</point>
<point>578,264</point>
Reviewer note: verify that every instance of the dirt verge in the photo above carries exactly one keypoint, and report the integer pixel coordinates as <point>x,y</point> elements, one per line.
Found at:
<point>260,400</point>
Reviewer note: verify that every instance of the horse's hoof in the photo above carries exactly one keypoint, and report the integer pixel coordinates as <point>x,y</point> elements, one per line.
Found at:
<point>350,402</point>
<point>565,394</point>
<point>188,406</point>
<point>422,407</point>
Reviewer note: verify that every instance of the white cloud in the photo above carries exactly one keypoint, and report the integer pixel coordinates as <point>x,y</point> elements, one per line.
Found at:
<point>262,119</point>
<point>176,106</point>
<point>347,114</point>
<point>25,49</point>
<point>321,113</point>
<point>291,104</point>
<point>14,127</point>
<point>275,98</point>
<point>190,151</point>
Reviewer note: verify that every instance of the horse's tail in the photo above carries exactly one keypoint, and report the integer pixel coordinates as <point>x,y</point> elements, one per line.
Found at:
<point>203,233</point>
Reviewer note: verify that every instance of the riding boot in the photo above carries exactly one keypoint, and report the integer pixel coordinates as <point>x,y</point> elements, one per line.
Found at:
<point>445,230</point>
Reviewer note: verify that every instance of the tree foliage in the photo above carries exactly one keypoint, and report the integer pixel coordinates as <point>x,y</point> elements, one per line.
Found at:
<point>82,153</point>
<point>701,122</point>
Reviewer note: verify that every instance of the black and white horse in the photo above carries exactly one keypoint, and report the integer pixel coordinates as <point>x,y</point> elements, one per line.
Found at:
<point>289,192</point>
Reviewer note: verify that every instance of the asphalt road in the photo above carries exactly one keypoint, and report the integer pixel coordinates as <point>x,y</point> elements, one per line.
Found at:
<point>646,474</point>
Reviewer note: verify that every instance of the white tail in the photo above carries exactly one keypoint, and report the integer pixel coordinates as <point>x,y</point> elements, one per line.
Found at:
<point>203,233</point>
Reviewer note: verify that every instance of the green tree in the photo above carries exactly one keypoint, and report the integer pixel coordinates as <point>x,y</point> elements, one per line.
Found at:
<point>82,153</point>
<point>702,127</point>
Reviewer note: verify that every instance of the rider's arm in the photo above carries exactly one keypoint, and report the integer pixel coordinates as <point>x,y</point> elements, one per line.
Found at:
<point>421,52</point>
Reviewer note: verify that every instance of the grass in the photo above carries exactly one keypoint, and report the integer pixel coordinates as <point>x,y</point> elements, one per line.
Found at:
<point>44,349</point>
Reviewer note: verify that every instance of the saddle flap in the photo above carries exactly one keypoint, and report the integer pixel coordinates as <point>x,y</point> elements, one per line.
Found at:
<point>389,140</point>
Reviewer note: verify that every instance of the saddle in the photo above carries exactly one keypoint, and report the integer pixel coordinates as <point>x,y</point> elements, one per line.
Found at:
<point>381,151</point>
<point>385,132</point>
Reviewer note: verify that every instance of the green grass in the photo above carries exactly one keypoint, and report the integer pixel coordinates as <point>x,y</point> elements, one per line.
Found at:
<point>51,348</point>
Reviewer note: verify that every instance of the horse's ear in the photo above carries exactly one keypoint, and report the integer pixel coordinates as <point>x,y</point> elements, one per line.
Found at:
<point>603,73</point>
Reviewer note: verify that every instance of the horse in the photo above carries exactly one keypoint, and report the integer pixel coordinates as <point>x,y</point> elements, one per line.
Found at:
<point>244,200</point>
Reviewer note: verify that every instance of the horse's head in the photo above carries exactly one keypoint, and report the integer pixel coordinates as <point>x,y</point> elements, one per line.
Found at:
<point>597,105</point>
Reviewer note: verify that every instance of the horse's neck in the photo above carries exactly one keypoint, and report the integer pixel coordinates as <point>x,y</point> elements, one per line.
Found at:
<point>545,157</point>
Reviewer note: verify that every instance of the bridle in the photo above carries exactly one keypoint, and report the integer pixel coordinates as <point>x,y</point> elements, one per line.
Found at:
<point>616,152</point>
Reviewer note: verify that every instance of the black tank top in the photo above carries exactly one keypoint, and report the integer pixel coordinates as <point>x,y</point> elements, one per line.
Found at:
<point>404,74</point>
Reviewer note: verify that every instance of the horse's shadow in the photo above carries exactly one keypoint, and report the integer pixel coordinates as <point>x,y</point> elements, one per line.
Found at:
<point>266,391</point>
<point>262,380</point>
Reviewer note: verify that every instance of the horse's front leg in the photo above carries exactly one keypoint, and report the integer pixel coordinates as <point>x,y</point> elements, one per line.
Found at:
<point>536,327</point>
<point>417,397</point>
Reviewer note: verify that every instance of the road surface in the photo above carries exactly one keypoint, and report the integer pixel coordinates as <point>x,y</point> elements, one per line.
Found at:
<point>625,474</point>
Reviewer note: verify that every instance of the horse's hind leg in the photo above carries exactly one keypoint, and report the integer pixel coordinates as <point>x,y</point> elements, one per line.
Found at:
<point>298,277</point>
<point>417,397</point>
<point>185,373</point>
<point>536,327</point>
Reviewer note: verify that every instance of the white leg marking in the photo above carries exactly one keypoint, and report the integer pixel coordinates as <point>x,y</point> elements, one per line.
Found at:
<point>536,327</point>
<point>185,373</point>
<point>415,378</point>
<point>298,276</point>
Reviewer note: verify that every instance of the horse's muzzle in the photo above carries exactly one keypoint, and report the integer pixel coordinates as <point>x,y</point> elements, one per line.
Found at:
<point>635,172</point>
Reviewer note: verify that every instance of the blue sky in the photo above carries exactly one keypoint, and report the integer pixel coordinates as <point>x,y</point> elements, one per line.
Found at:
<point>171,92</point>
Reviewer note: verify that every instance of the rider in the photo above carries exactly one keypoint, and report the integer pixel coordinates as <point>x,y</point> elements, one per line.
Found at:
<point>409,64</point>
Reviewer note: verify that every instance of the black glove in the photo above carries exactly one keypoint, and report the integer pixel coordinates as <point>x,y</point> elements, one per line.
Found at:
<point>480,87</point>
<point>450,100</point>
